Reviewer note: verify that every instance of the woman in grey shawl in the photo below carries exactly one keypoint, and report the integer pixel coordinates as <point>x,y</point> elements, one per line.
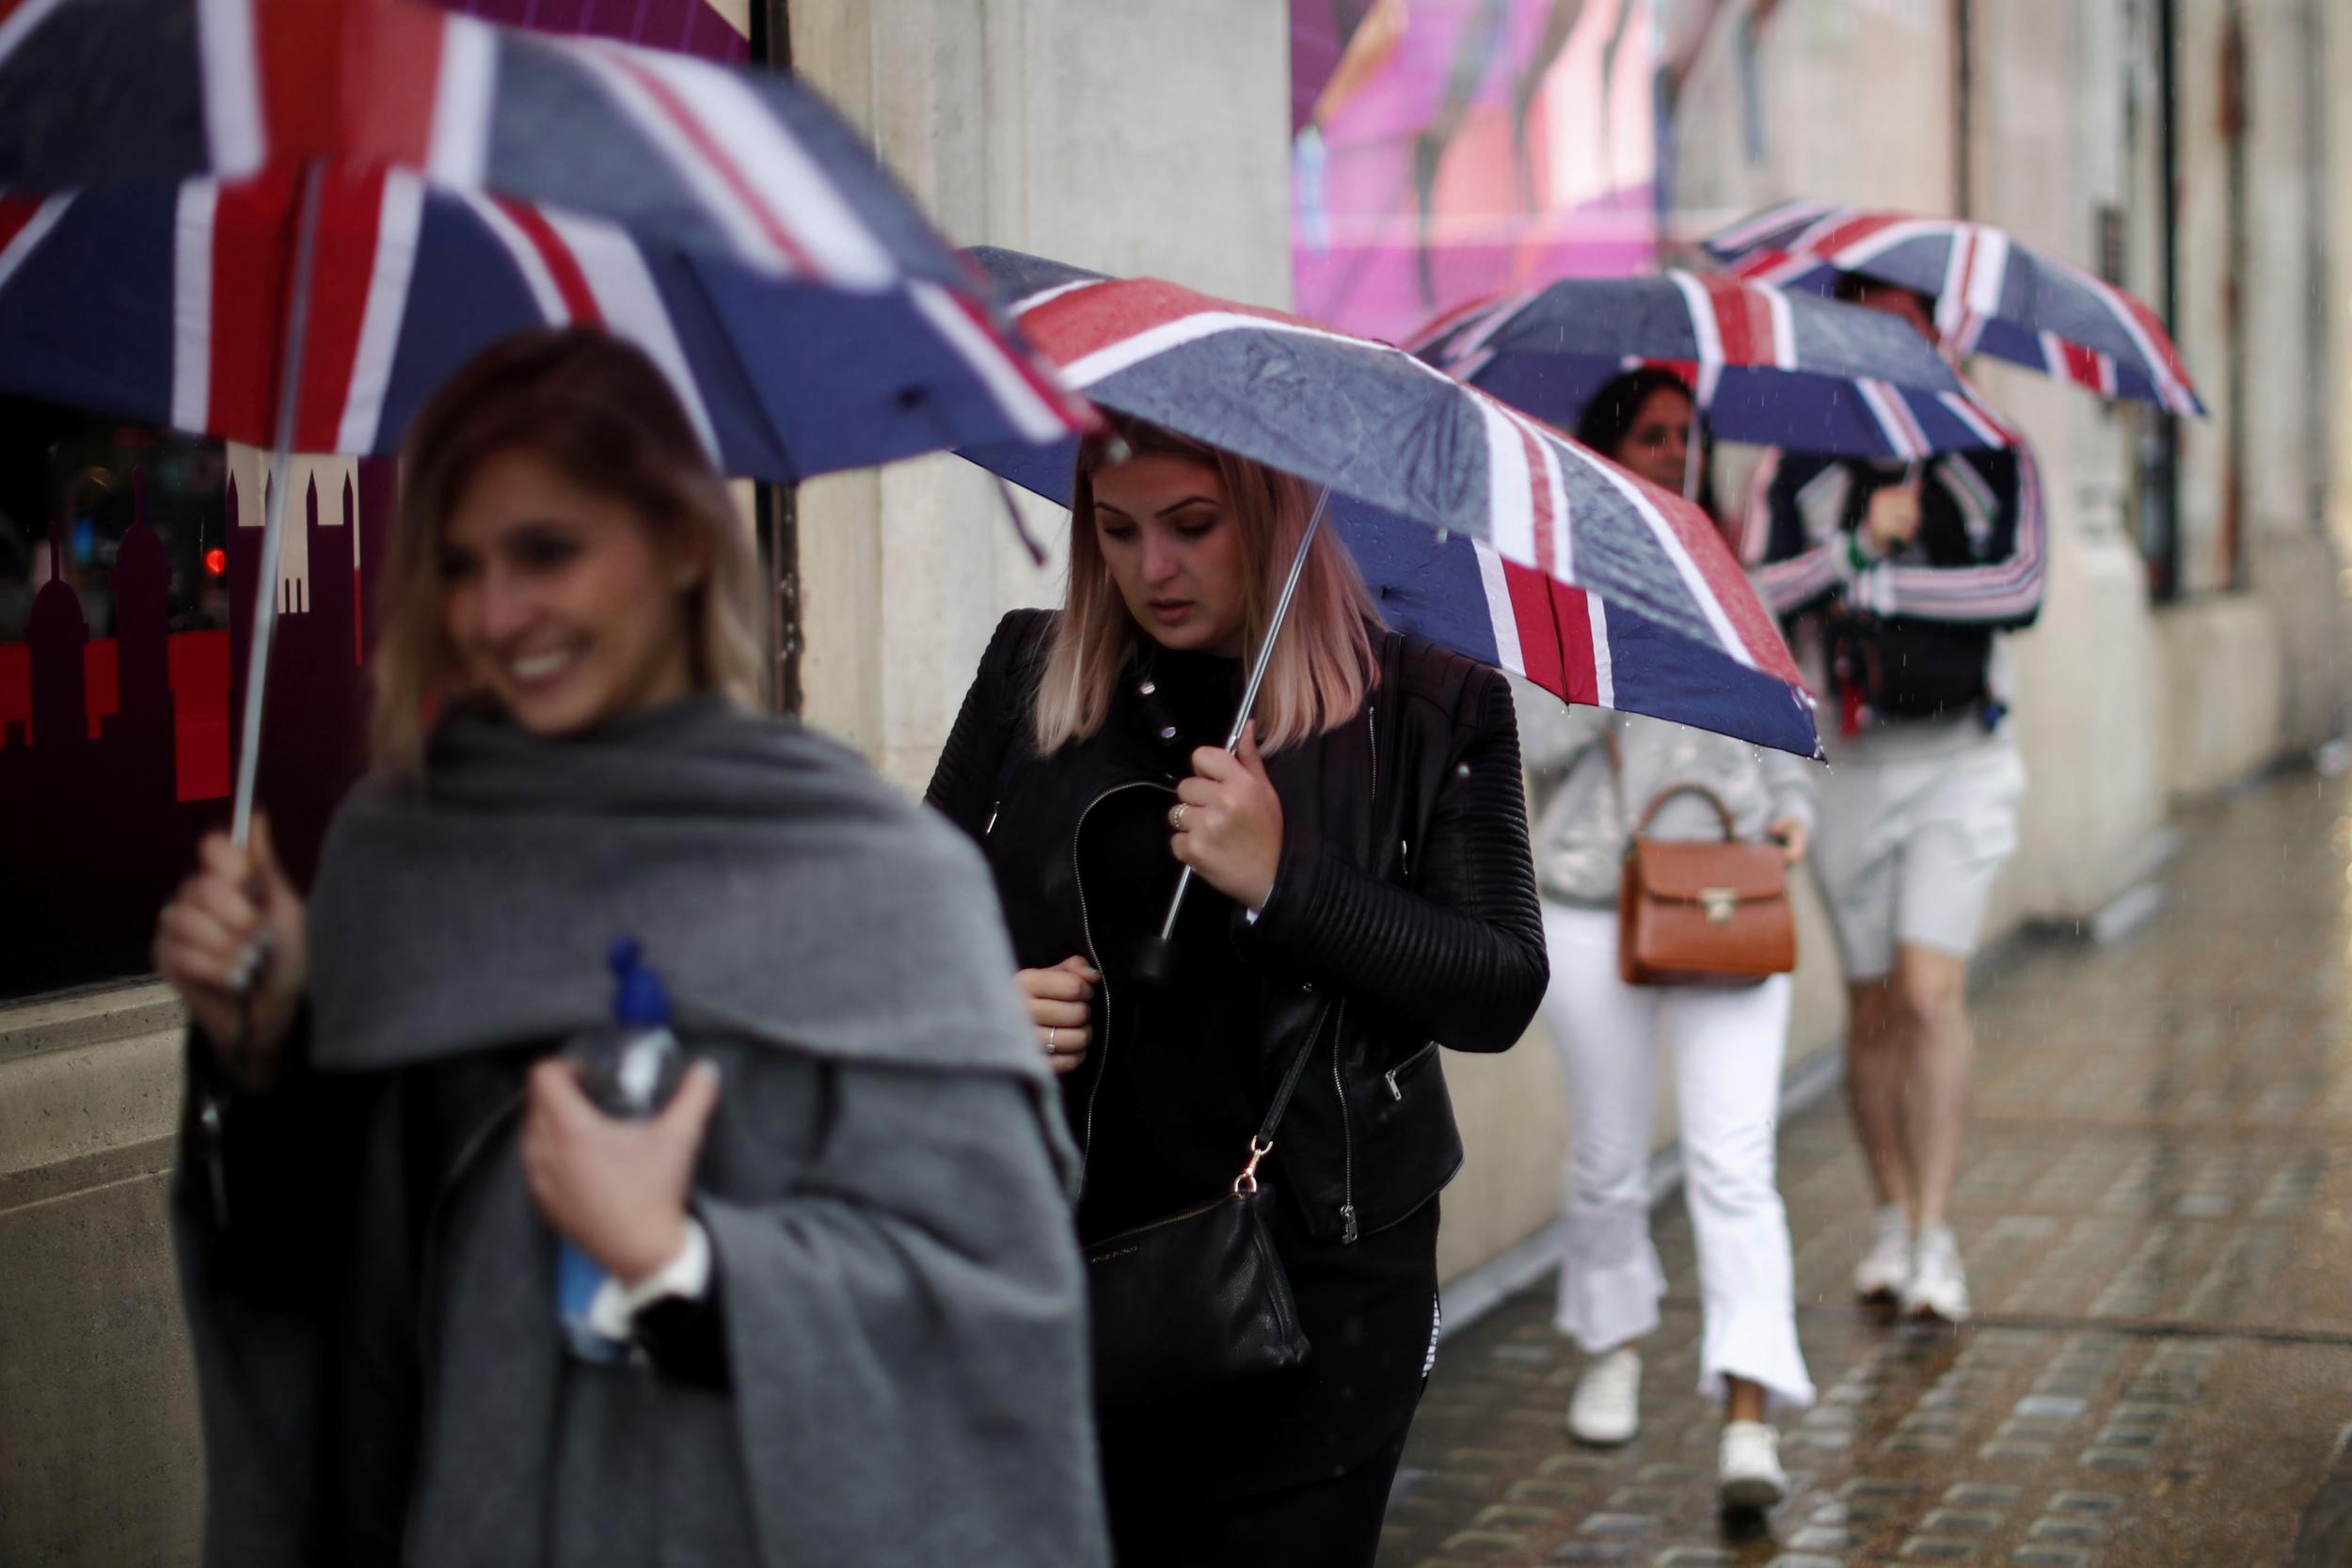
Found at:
<point>842,1298</point>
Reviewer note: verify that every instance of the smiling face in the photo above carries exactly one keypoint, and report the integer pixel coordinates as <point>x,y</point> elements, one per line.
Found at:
<point>1657,443</point>
<point>1169,536</point>
<point>559,601</point>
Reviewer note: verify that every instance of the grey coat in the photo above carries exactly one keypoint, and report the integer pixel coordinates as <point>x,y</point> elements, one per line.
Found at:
<point>381,1375</point>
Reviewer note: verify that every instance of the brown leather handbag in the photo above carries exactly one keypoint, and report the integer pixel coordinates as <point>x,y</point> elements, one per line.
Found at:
<point>1702,913</point>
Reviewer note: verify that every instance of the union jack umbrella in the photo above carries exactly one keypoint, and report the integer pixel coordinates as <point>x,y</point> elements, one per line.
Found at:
<point>287,220</point>
<point>164,304</point>
<point>1993,295</point>
<point>1478,525</point>
<point>1767,367</point>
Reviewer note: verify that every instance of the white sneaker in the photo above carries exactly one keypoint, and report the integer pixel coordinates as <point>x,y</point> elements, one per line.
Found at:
<point>1887,1264</point>
<point>1749,1468</point>
<point>1938,1287</point>
<point>1606,1409</point>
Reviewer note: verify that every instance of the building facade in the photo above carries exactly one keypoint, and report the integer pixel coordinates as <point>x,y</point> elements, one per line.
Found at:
<point>2197,150</point>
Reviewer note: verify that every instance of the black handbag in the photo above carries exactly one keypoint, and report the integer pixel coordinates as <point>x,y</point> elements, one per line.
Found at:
<point>1197,1300</point>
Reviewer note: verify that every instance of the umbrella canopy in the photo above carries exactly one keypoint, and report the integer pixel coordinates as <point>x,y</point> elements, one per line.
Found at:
<point>1417,456</point>
<point>711,157</point>
<point>162,305</point>
<point>326,129</point>
<point>1993,295</point>
<point>1768,367</point>
<point>721,177</point>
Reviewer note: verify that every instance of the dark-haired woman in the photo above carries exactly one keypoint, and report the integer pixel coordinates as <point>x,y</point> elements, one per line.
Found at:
<point>1364,896</point>
<point>1594,775</point>
<point>810,1345</point>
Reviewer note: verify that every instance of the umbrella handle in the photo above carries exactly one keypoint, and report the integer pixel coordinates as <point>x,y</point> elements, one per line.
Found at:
<point>1157,964</point>
<point>273,514</point>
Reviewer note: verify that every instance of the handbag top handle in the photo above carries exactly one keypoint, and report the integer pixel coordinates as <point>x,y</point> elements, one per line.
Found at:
<point>1658,801</point>
<point>1723,812</point>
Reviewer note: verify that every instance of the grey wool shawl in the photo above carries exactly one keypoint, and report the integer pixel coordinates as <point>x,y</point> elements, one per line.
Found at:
<point>783,891</point>
<point>884,1182</point>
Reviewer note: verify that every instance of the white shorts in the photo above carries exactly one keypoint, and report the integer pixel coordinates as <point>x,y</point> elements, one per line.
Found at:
<point>1908,848</point>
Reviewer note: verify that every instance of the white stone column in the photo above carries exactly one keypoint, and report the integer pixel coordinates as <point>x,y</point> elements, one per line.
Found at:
<point>1124,137</point>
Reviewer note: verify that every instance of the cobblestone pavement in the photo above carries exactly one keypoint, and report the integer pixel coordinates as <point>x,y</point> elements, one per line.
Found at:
<point>2157,1214</point>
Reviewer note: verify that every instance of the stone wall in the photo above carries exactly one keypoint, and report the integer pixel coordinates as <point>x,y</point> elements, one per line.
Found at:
<point>1123,138</point>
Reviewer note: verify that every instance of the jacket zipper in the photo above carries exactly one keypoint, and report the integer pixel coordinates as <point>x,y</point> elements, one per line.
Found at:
<point>1395,1092</point>
<point>428,1275</point>
<point>1348,1232</point>
<point>1347,1134</point>
<point>1085,925</point>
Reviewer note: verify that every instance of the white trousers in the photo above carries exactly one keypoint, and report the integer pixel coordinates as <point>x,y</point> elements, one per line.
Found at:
<point>1729,1045</point>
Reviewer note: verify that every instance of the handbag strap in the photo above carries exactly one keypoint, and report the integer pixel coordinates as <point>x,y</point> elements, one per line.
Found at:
<point>1261,1142</point>
<point>1658,802</point>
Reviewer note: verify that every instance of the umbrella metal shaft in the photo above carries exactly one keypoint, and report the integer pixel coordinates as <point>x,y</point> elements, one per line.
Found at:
<point>274,513</point>
<point>1257,679</point>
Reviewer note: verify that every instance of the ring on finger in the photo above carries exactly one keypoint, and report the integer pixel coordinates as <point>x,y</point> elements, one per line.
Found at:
<point>1050,1034</point>
<point>1176,815</point>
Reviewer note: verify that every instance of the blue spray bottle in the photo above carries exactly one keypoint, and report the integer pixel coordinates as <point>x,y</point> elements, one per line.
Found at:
<point>630,1070</point>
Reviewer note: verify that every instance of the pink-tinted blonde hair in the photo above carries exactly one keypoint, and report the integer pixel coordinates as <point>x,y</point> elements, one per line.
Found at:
<point>1322,668</point>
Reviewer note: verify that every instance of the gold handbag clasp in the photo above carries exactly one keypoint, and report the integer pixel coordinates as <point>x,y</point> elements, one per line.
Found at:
<point>1245,1185</point>
<point>1720,903</point>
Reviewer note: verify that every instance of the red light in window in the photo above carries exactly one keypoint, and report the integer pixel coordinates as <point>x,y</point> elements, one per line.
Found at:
<point>216,560</point>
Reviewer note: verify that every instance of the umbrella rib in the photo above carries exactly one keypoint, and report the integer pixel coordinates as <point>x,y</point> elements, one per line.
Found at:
<point>273,514</point>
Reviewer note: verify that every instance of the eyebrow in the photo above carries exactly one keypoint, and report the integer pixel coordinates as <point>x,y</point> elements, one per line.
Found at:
<point>1165,511</point>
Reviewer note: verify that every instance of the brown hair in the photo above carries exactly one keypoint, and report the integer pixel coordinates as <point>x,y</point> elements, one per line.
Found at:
<point>597,409</point>
<point>1322,667</point>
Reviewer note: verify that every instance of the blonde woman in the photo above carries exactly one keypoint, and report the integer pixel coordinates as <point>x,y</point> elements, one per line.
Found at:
<point>1364,896</point>
<point>387,1135</point>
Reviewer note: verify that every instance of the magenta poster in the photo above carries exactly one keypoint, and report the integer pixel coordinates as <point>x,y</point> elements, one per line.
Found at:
<point>1448,149</point>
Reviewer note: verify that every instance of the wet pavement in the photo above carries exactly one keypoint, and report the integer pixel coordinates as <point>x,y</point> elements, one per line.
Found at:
<point>2156,1214</point>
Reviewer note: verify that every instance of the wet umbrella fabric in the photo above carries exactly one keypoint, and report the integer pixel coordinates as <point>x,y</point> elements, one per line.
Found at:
<point>745,177</point>
<point>1547,559</point>
<point>708,157</point>
<point>1993,294</point>
<point>1769,368</point>
<point>161,305</point>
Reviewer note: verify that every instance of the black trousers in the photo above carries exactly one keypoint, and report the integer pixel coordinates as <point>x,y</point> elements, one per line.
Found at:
<point>1331,1523</point>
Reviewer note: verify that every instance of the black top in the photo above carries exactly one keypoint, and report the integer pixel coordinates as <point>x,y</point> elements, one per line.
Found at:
<point>1173,1083</point>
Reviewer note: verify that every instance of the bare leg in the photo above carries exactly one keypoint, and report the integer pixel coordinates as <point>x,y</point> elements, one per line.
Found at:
<point>1878,1041</point>
<point>1929,993</point>
<point>1743,1400</point>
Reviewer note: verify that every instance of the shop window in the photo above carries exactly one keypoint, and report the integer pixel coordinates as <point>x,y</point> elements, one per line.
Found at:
<point>127,566</point>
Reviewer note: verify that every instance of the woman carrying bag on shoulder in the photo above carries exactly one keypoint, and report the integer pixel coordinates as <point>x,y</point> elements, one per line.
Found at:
<point>1263,1125</point>
<point>1663,853</point>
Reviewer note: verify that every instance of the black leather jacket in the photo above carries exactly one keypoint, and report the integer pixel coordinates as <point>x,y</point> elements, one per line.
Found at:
<point>1402,915</point>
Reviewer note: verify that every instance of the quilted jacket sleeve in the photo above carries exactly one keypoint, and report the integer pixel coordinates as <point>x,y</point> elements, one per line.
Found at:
<point>1458,954</point>
<point>994,707</point>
